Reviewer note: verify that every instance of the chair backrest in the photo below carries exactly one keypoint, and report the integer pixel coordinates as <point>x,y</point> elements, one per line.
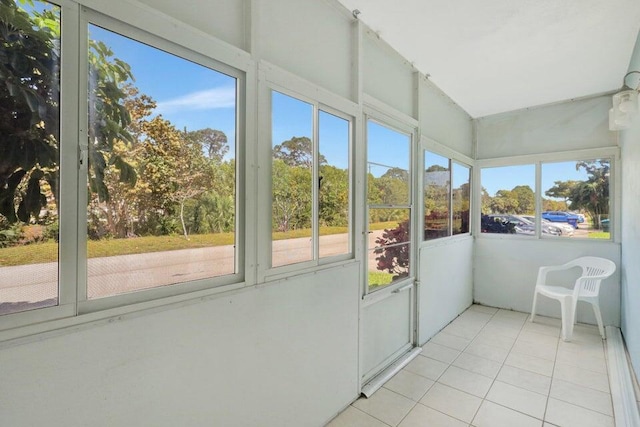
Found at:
<point>592,267</point>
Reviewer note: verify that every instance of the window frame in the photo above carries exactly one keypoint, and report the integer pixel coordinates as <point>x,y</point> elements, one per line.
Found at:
<point>610,153</point>
<point>273,79</point>
<point>439,149</point>
<point>175,38</point>
<point>389,118</point>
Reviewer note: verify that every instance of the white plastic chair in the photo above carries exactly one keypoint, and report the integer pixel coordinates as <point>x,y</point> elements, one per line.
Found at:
<point>586,288</point>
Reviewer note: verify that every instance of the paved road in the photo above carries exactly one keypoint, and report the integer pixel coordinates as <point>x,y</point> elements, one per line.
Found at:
<point>35,285</point>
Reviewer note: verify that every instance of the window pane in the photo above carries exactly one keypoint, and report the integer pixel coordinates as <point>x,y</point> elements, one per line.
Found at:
<point>461,198</point>
<point>292,191</point>
<point>507,198</point>
<point>437,184</point>
<point>333,195</point>
<point>161,168</point>
<point>389,246</point>
<point>576,198</point>
<point>388,166</point>
<point>29,156</point>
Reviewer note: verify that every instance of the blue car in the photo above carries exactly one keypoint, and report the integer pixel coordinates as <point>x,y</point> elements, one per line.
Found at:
<point>556,216</point>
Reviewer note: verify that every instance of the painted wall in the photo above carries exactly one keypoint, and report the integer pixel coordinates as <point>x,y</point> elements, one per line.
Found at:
<point>505,272</point>
<point>446,284</point>
<point>630,146</point>
<point>505,268</point>
<point>566,126</point>
<point>284,354</point>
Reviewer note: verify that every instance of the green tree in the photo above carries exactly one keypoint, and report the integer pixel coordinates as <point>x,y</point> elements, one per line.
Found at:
<point>592,195</point>
<point>29,109</point>
<point>561,190</point>
<point>526,199</point>
<point>291,197</point>
<point>297,151</point>
<point>333,196</point>
<point>213,141</point>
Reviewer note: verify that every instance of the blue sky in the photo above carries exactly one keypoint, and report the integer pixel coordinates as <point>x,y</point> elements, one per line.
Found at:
<point>189,95</point>
<point>505,178</point>
<point>194,97</point>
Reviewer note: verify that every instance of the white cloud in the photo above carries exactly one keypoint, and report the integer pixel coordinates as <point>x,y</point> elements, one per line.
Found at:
<point>210,99</point>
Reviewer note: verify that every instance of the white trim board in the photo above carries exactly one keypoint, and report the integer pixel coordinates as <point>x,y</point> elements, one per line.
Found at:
<point>625,407</point>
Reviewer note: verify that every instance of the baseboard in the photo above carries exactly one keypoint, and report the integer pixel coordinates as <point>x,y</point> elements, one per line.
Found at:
<point>625,406</point>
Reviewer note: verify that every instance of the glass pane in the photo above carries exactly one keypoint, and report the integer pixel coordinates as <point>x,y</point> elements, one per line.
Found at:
<point>387,166</point>
<point>576,199</point>
<point>29,156</point>
<point>161,168</point>
<point>389,246</point>
<point>461,198</point>
<point>333,195</point>
<point>437,184</point>
<point>508,197</point>
<point>292,130</point>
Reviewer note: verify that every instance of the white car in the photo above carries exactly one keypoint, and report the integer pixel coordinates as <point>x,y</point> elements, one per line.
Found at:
<point>564,228</point>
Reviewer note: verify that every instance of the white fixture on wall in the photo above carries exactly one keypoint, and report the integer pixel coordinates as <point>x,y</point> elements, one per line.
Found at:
<point>625,105</point>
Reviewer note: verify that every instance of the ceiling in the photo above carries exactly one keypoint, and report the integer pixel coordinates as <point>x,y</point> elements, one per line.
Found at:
<point>493,56</point>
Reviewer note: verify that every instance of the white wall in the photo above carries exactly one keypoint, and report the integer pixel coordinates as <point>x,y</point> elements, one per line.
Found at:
<point>506,270</point>
<point>630,146</point>
<point>446,284</point>
<point>284,354</point>
<point>567,126</point>
<point>505,267</point>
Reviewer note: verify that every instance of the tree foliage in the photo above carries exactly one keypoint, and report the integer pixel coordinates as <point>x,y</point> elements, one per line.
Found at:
<point>297,151</point>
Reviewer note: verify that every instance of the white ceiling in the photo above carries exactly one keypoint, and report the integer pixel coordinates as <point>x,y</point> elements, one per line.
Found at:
<point>493,56</point>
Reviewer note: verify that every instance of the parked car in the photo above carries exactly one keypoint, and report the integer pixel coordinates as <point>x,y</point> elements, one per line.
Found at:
<point>506,223</point>
<point>557,216</point>
<point>555,228</point>
<point>547,228</point>
<point>605,224</point>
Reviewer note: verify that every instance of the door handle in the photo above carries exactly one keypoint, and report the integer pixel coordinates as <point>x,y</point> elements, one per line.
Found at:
<point>402,289</point>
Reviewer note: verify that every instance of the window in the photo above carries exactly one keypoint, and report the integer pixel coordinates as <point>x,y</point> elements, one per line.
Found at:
<point>389,205</point>
<point>162,168</point>
<point>29,156</point>
<point>447,196</point>
<point>574,199</point>
<point>310,184</point>
<point>508,200</point>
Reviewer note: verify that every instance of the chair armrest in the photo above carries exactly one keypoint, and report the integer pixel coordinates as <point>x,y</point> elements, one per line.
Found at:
<point>542,272</point>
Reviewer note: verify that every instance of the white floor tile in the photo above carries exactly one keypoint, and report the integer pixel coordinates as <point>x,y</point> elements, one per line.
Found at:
<point>409,385</point>
<point>582,396</point>
<point>525,379</point>
<point>494,415</point>
<point>540,328</point>
<point>530,363</point>
<point>386,406</point>
<point>487,351</point>
<point>545,320</point>
<point>512,315</point>
<point>483,309</point>
<point>451,341</point>
<point>517,398</point>
<point>582,349</point>
<point>477,364</point>
<point>495,339</point>
<point>567,415</point>
<point>538,339</point>
<point>466,381</point>
<point>428,368</point>
<point>595,364</point>
<point>452,402</point>
<point>352,417</point>
<point>476,317</point>
<point>542,351</point>
<point>500,329</point>
<point>439,352</point>
<point>421,416</point>
<point>506,323</point>
<point>581,377</point>
<point>464,331</point>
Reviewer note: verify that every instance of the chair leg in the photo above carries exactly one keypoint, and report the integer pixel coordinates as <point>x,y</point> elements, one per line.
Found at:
<point>567,308</point>
<point>533,308</point>
<point>596,310</point>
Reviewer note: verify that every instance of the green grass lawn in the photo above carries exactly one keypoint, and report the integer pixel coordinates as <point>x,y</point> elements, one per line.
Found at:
<point>379,279</point>
<point>600,235</point>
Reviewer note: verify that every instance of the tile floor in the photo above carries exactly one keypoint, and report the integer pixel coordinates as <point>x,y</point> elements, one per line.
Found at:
<point>494,368</point>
